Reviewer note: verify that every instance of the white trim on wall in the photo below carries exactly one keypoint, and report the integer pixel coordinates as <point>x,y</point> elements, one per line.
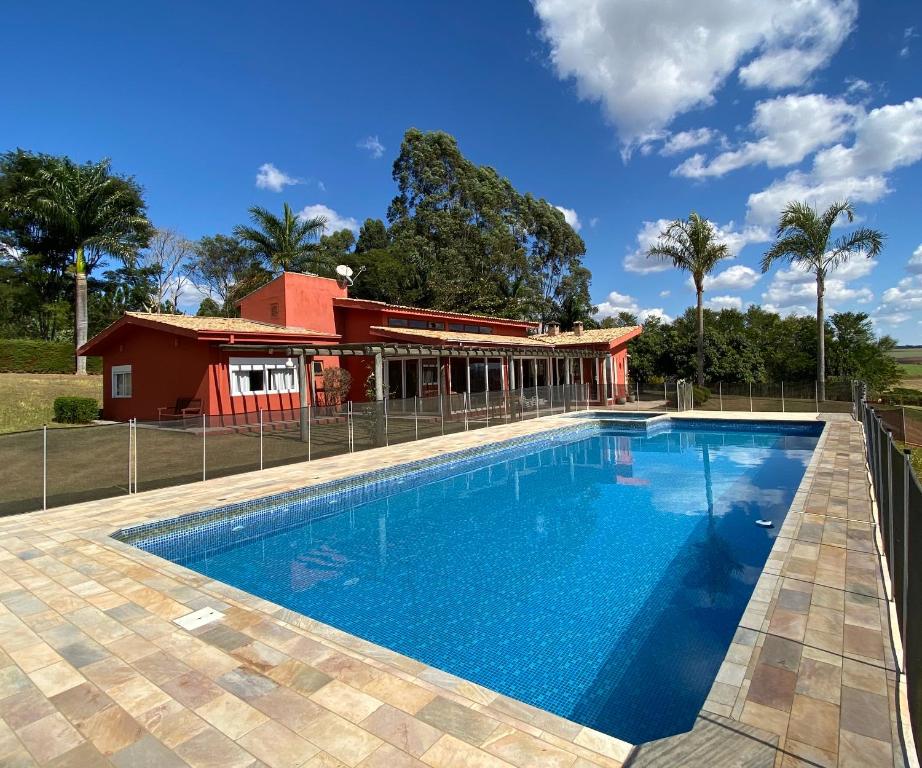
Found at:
<point>262,376</point>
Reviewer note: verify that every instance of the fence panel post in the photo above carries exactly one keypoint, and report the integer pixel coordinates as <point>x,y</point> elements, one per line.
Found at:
<point>782,396</point>
<point>308,431</point>
<point>904,614</point>
<point>442,413</point>
<point>537,409</point>
<point>260,438</point>
<point>816,395</point>
<point>130,468</point>
<point>891,555</point>
<point>720,386</point>
<point>44,467</point>
<point>750,397</point>
<point>416,415</point>
<point>204,425</point>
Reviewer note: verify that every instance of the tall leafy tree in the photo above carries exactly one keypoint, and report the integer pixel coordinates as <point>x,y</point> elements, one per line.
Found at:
<point>224,269</point>
<point>691,245</point>
<point>803,239</point>
<point>286,242</point>
<point>86,210</point>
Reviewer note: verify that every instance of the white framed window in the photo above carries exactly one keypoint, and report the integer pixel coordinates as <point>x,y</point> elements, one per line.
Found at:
<point>121,381</point>
<point>262,376</point>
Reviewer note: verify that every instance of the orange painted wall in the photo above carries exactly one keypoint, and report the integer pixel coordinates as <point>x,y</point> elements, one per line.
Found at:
<point>304,301</point>
<point>164,367</point>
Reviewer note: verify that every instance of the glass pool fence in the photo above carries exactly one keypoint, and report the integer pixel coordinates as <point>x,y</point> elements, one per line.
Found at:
<point>899,516</point>
<point>49,467</point>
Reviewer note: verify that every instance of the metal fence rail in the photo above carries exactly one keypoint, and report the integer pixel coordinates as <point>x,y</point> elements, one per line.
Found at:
<point>899,514</point>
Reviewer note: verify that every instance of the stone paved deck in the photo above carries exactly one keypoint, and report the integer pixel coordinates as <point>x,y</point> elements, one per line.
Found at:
<point>93,671</point>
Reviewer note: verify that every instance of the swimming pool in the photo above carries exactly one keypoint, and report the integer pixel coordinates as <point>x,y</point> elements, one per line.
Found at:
<point>593,572</point>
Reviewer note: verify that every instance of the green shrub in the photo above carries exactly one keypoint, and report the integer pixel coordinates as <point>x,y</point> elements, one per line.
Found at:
<point>75,410</point>
<point>701,394</point>
<point>36,356</point>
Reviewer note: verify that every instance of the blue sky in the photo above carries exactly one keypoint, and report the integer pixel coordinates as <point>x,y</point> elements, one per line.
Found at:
<point>624,113</point>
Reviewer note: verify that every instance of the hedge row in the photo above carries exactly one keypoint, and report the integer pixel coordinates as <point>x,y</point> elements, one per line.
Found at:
<point>34,356</point>
<point>75,410</point>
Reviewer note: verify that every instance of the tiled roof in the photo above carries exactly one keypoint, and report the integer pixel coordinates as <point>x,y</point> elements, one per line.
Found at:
<point>220,324</point>
<point>440,312</point>
<point>590,336</point>
<point>491,339</point>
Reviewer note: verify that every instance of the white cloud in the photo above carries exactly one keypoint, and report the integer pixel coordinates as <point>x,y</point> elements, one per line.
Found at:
<point>334,222</point>
<point>886,138</point>
<point>271,178</point>
<point>648,62</point>
<point>735,239</point>
<point>908,34</point>
<point>375,148</point>
<point>855,86</point>
<point>725,302</point>
<point>570,216</point>
<point>593,221</point>
<point>788,129</point>
<point>619,302</point>
<point>735,278</point>
<point>680,142</point>
<point>795,288</point>
<point>905,296</point>
<point>664,294</point>
<point>914,264</point>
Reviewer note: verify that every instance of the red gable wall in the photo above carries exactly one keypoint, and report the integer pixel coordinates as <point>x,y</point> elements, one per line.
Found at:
<point>304,301</point>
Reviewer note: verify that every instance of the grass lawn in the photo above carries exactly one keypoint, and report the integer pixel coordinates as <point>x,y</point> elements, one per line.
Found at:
<point>27,399</point>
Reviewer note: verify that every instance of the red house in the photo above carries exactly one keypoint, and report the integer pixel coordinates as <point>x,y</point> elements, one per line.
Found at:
<point>290,329</point>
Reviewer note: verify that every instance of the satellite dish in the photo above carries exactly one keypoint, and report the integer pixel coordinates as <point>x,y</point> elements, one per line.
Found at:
<point>344,275</point>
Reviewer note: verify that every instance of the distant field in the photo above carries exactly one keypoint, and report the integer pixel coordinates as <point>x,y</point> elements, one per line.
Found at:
<point>27,399</point>
<point>908,354</point>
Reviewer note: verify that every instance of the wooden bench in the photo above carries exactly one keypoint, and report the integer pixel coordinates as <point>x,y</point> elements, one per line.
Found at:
<point>183,408</point>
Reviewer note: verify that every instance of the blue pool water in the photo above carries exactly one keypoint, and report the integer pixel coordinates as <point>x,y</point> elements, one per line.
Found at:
<point>597,574</point>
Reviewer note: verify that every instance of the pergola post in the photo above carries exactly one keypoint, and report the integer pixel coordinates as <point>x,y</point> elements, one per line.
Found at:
<point>302,395</point>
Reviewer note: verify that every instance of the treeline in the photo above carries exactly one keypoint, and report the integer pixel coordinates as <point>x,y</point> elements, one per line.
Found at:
<point>759,346</point>
<point>457,236</point>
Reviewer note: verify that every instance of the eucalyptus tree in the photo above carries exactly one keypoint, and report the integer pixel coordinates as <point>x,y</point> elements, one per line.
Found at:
<point>86,210</point>
<point>286,242</point>
<point>691,245</point>
<point>802,239</point>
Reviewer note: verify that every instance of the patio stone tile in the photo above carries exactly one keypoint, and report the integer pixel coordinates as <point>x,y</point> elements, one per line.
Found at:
<point>863,642</point>
<point>81,703</point>
<point>56,678</point>
<point>768,718</point>
<point>788,624</point>
<point>864,676</point>
<point>857,751</point>
<point>819,680</point>
<point>865,713</point>
<point>796,602</point>
<point>772,687</point>
<point>111,729</point>
<point>212,749</point>
<point>83,653</point>
<point>386,756</point>
<point>224,637</point>
<point>84,756</point>
<point>147,752</point>
<point>345,700</point>
<point>449,752</point>
<point>458,720</point>
<point>300,677</point>
<point>34,657</point>
<point>526,751</point>
<point>138,695</point>
<point>277,746</point>
<point>401,729</point>
<point>230,715</point>
<point>780,652</point>
<point>342,739</point>
<point>25,707</point>
<point>160,667</point>
<point>245,684</point>
<point>193,689</point>
<point>399,693</point>
<point>289,708</point>
<point>49,737</point>
<point>798,755</point>
<point>814,722</point>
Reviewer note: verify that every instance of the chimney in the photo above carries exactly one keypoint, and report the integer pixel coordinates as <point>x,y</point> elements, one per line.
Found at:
<point>578,328</point>
<point>553,329</point>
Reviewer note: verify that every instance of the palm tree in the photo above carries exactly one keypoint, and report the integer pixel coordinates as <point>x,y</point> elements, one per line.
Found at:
<point>802,239</point>
<point>286,242</point>
<point>90,212</point>
<point>691,244</point>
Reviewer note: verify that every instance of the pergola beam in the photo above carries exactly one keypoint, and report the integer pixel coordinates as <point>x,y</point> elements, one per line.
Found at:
<point>413,350</point>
